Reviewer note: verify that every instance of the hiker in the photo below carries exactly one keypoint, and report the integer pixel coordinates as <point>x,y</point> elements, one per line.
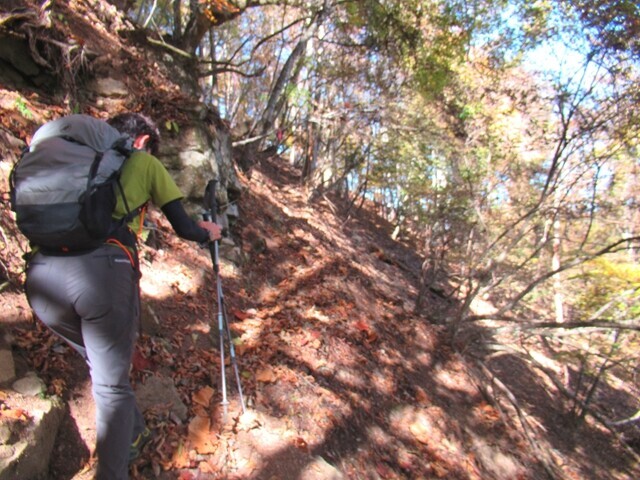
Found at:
<point>91,299</point>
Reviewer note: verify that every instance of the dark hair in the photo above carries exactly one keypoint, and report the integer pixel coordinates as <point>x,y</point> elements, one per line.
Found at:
<point>136,124</point>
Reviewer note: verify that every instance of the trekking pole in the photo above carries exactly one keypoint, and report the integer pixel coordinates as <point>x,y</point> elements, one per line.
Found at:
<point>223,322</point>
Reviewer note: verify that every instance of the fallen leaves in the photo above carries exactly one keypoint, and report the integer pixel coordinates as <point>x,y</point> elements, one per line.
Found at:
<point>266,375</point>
<point>312,339</point>
<point>421,429</point>
<point>200,435</point>
<point>301,444</point>
<point>139,361</point>
<point>240,315</point>
<point>203,396</point>
<point>14,414</point>
<point>318,360</point>
<point>421,396</point>
<point>364,326</point>
<point>180,457</point>
<point>487,413</point>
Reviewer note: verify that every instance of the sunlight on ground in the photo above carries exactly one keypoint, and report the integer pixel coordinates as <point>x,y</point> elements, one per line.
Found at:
<point>451,381</point>
<point>161,280</point>
<point>312,313</point>
<point>482,307</point>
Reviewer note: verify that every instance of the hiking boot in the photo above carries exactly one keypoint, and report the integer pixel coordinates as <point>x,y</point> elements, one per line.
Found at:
<point>139,443</point>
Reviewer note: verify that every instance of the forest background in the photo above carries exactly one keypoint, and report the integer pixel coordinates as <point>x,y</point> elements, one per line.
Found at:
<point>500,137</point>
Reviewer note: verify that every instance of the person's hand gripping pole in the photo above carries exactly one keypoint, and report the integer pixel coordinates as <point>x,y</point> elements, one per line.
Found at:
<point>223,324</point>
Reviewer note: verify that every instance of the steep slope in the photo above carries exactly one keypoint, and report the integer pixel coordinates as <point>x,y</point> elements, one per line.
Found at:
<point>341,379</point>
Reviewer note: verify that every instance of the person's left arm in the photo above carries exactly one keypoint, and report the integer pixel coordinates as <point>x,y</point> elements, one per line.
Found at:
<point>186,228</point>
<point>166,194</point>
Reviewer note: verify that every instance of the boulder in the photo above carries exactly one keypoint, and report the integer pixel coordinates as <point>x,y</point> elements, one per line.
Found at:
<point>27,437</point>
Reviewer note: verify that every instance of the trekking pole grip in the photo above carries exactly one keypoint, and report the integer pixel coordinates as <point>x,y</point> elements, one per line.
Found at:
<point>209,215</point>
<point>210,200</point>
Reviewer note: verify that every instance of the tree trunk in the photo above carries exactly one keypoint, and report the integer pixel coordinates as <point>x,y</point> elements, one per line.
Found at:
<point>177,20</point>
<point>290,72</point>
<point>558,296</point>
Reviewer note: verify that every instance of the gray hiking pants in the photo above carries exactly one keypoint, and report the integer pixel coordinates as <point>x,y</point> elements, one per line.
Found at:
<point>92,302</point>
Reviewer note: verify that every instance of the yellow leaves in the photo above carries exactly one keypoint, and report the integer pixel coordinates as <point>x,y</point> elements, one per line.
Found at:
<point>200,435</point>
<point>609,284</point>
<point>218,7</point>
<point>625,271</point>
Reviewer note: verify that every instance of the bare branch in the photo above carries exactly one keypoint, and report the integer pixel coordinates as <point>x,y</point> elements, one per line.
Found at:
<point>567,266</point>
<point>601,324</point>
<point>624,421</point>
<point>264,40</point>
<point>546,460</point>
<point>170,47</point>
<point>231,69</point>
<point>247,141</point>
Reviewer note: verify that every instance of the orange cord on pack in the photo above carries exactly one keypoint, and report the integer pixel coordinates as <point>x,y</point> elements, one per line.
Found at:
<point>113,241</point>
<point>143,211</point>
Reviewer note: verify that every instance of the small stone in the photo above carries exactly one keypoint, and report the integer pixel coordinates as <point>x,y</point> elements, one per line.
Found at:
<point>110,87</point>
<point>161,390</point>
<point>30,385</point>
<point>233,211</point>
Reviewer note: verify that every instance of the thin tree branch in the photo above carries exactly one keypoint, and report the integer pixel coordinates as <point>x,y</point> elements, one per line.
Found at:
<point>170,47</point>
<point>231,69</point>
<point>276,33</point>
<point>246,141</point>
<point>547,460</point>
<point>624,421</point>
<point>568,265</point>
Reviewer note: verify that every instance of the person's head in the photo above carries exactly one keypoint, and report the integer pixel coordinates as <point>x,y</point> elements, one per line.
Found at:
<point>142,129</point>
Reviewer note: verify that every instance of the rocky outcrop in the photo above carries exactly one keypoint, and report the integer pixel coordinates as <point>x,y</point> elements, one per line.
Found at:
<point>195,150</point>
<point>95,61</point>
<point>57,60</point>
<point>26,444</point>
<point>28,422</point>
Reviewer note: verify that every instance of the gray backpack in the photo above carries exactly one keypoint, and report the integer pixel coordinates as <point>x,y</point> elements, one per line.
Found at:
<point>64,187</point>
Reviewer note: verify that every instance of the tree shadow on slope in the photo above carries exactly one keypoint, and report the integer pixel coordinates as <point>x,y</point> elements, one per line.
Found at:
<point>362,382</point>
<point>397,405</point>
<point>593,451</point>
<point>358,380</point>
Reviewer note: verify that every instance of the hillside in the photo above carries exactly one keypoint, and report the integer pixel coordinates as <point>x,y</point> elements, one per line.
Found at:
<point>341,377</point>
